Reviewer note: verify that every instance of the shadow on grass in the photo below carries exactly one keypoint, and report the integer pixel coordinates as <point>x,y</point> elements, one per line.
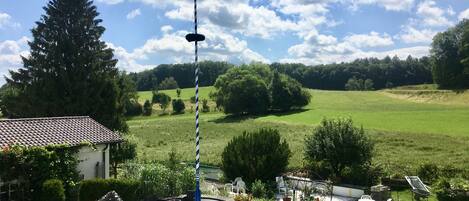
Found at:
<point>240,118</point>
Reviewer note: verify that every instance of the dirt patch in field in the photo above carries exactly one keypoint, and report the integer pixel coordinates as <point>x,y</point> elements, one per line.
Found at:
<point>445,97</point>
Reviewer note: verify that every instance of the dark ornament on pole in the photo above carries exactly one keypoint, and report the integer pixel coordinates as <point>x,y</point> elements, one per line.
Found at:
<point>195,37</point>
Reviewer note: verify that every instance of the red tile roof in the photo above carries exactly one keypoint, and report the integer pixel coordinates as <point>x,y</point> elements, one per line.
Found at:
<point>55,130</point>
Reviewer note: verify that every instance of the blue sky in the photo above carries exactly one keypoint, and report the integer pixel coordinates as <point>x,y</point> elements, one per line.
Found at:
<point>145,33</point>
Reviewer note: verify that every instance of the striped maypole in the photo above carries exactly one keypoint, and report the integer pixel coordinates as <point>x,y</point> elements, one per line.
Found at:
<point>195,37</point>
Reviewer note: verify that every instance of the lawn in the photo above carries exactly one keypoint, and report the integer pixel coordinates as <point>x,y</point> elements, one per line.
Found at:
<point>406,133</point>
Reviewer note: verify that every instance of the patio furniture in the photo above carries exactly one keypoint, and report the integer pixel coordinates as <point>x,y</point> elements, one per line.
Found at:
<point>281,186</point>
<point>236,186</point>
<point>366,198</point>
<point>240,186</point>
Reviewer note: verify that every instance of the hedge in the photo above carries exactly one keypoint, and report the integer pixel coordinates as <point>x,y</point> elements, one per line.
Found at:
<point>92,190</point>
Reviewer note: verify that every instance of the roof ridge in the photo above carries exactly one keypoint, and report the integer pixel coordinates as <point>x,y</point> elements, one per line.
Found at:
<point>44,118</point>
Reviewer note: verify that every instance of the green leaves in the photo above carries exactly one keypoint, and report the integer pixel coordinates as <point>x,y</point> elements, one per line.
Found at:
<point>450,54</point>
<point>254,89</point>
<point>336,145</point>
<point>287,93</point>
<point>258,155</point>
<point>70,71</point>
<point>178,106</point>
<point>38,164</point>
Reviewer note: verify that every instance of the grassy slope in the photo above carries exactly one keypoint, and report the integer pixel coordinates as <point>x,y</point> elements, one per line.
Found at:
<point>374,110</point>
<point>406,133</point>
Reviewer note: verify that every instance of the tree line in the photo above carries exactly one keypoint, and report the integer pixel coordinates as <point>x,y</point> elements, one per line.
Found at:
<point>447,66</point>
<point>183,74</point>
<point>384,73</point>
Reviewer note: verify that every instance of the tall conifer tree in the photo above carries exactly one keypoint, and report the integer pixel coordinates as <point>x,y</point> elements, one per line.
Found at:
<point>69,71</point>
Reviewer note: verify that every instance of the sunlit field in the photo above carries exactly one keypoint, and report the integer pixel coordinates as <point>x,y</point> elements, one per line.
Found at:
<point>406,133</point>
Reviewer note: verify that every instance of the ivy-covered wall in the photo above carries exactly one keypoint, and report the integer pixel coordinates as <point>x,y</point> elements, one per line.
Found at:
<point>34,165</point>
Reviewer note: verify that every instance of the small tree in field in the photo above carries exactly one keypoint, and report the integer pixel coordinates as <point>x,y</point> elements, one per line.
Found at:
<point>178,106</point>
<point>205,107</point>
<point>337,146</point>
<point>258,155</point>
<point>164,102</point>
<point>178,92</point>
<point>147,108</point>
<point>162,99</point>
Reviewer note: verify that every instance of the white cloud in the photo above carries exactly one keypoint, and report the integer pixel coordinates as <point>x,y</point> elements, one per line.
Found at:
<point>412,35</point>
<point>111,2</point>
<point>305,8</point>
<point>134,13</point>
<point>219,45</point>
<point>322,49</point>
<point>10,55</point>
<point>238,17</point>
<point>464,14</point>
<point>431,15</point>
<point>6,21</point>
<point>373,39</point>
<point>166,28</point>
<point>161,3</point>
<point>327,58</point>
<point>392,5</point>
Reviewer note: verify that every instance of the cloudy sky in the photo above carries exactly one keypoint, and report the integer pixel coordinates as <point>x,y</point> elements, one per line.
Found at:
<point>145,33</point>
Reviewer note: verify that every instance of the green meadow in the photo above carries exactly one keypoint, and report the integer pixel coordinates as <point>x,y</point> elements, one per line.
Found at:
<point>407,133</point>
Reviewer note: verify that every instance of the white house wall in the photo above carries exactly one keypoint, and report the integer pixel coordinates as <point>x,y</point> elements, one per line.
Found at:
<point>89,157</point>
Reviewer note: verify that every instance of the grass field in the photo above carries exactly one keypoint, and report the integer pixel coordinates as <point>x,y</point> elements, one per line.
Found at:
<point>406,133</point>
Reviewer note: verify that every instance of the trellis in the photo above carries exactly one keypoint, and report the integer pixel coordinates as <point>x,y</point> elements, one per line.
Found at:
<point>11,191</point>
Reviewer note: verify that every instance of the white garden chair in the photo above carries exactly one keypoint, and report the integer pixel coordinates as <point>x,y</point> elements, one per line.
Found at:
<point>281,186</point>
<point>234,187</point>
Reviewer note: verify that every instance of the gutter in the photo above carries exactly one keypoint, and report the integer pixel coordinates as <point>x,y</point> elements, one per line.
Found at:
<point>104,160</point>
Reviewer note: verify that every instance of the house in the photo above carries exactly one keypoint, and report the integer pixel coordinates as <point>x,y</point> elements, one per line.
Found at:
<point>73,131</point>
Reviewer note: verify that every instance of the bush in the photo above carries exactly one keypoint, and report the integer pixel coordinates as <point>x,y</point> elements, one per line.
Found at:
<point>178,106</point>
<point>193,99</point>
<point>133,108</point>
<point>428,172</point>
<point>53,190</point>
<point>337,146</point>
<point>147,108</point>
<point>258,155</point>
<point>456,189</point>
<point>160,181</point>
<point>258,189</point>
<point>242,198</point>
<point>205,107</point>
<point>162,99</point>
<point>92,190</point>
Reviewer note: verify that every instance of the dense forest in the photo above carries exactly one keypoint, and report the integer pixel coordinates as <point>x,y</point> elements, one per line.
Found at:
<point>182,73</point>
<point>387,72</point>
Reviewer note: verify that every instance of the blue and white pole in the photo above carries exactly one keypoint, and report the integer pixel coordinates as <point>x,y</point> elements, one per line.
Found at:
<point>195,37</point>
